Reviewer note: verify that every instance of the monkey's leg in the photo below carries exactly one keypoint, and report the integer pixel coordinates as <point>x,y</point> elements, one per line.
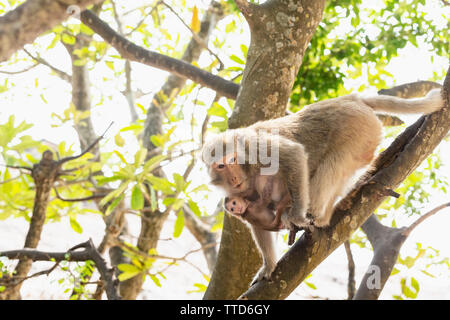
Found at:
<point>280,208</point>
<point>326,185</point>
<point>265,243</point>
<point>296,173</point>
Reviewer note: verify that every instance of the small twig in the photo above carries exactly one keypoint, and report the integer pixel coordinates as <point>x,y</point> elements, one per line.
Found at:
<point>17,167</point>
<point>89,252</point>
<point>66,159</point>
<point>351,285</point>
<point>20,71</point>
<point>155,7</point>
<point>92,197</point>
<point>9,180</point>
<point>37,274</point>
<point>407,231</point>
<point>194,34</point>
<point>60,73</point>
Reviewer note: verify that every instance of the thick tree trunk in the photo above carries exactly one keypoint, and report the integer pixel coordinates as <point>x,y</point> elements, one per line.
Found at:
<point>33,18</point>
<point>44,174</point>
<point>280,33</point>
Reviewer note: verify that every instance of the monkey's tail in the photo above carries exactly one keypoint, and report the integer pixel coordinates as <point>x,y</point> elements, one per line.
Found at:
<point>431,102</point>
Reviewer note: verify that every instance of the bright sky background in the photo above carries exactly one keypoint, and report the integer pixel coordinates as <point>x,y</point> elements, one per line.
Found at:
<point>37,94</point>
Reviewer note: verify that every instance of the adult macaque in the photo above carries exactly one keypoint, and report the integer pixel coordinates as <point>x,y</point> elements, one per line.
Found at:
<point>316,152</point>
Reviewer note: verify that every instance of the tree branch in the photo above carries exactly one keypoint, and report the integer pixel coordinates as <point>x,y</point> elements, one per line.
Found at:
<point>351,287</point>
<point>31,19</point>
<point>393,165</point>
<point>89,252</point>
<point>386,243</point>
<point>130,51</point>
<point>63,75</point>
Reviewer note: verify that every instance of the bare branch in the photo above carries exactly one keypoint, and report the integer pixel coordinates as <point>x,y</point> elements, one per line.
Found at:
<point>63,75</point>
<point>31,19</point>
<point>17,167</point>
<point>92,197</point>
<point>409,229</point>
<point>89,252</point>
<point>89,148</point>
<point>130,51</point>
<point>194,34</point>
<point>351,287</point>
<point>21,71</point>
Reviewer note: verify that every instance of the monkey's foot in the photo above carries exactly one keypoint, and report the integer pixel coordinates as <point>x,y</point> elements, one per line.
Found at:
<point>264,273</point>
<point>321,222</point>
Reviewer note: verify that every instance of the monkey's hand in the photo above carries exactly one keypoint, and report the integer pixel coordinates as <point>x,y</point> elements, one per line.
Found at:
<point>297,216</point>
<point>264,273</point>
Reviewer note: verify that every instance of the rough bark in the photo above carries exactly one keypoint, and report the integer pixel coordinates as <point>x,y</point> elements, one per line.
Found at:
<point>81,97</point>
<point>44,174</point>
<point>280,33</point>
<point>31,19</point>
<point>393,165</point>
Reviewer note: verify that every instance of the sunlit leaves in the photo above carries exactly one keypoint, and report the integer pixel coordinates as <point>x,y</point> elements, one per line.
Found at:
<point>374,38</point>
<point>137,198</point>
<point>179,224</point>
<point>195,22</point>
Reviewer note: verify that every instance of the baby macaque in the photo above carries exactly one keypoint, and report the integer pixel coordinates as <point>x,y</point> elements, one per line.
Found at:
<point>259,215</point>
<point>273,196</point>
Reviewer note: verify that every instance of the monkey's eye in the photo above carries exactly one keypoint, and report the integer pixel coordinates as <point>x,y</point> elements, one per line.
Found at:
<point>234,203</point>
<point>232,209</point>
<point>221,166</point>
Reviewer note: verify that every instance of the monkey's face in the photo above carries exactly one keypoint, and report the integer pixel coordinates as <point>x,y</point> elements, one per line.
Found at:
<point>236,206</point>
<point>228,174</point>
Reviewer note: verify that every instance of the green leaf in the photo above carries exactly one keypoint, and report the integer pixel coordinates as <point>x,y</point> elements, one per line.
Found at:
<point>110,64</point>
<point>161,184</point>
<point>236,59</point>
<point>113,205</point>
<point>155,280</point>
<point>137,198</point>
<point>179,224</point>
<point>202,187</point>
<point>75,225</point>
<point>194,207</point>
<point>311,285</point>
<point>121,156</point>
<point>128,271</point>
<point>179,182</point>
<point>67,38</point>
<point>139,157</point>
<point>152,163</point>
<point>218,111</point>
<point>154,203</point>
<point>119,140</point>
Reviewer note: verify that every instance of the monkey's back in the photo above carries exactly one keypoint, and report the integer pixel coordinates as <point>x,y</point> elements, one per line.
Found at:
<point>344,127</point>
